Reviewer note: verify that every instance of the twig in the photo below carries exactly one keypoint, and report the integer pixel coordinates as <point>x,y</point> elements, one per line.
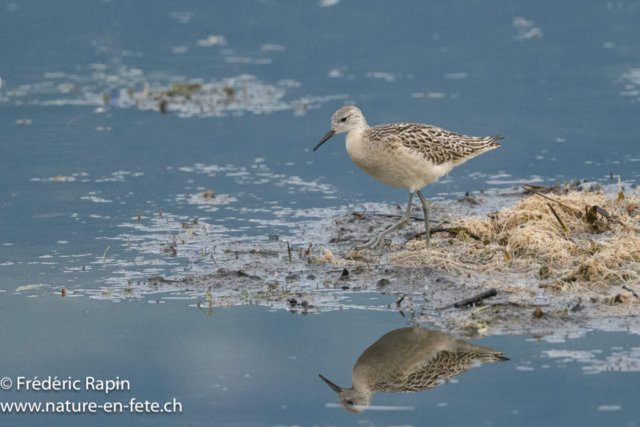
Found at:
<point>473,300</point>
<point>536,186</point>
<point>289,250</point>
<point>631,290</point>
<point>105,254</point>
<point>532,188</point>
<point>576,212</point>
<point>207,297</point>
<point>458,230</point>
<point>452,230</point>
<point>557,217</point>
<point>612,218</point>
<point>415,218</point>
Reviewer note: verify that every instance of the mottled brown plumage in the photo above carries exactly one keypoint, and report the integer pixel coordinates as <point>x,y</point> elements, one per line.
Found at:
<point>435,144</point>
<point>409,360</point>
<point>444,366</point>
<point>406,155</point>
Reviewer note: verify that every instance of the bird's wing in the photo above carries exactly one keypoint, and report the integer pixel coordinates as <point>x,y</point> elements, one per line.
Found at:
<point>443,366</point>
<point>435,144</point>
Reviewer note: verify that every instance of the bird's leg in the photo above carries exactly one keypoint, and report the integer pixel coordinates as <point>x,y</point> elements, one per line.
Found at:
<point>425,209</point>
<point>375,240</point>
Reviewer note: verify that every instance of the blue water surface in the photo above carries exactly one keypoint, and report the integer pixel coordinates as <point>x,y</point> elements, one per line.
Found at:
<point>77,164</point>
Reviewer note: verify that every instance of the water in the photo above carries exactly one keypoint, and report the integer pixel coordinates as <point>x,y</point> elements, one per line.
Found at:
<point>250,366</point>
<point>559,81</point>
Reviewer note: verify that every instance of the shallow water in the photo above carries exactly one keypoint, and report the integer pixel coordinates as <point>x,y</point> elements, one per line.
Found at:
<point>80,161</point>
<point>249,366</point>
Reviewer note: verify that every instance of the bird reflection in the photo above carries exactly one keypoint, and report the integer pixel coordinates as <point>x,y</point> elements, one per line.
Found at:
<point>408,360</point>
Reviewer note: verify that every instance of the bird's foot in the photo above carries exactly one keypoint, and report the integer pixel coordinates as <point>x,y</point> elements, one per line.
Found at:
<point>371,243</point>
<point>378,238</point>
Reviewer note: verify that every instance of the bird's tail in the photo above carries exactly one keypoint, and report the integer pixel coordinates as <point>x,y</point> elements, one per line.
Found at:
<point>481,145</point>
<point>493,357</point>
<point>494,138</point>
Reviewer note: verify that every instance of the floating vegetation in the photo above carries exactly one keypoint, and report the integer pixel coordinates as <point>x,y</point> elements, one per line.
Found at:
<point>593,362</point>
<point>526,29</point>
<point>574,240</point>
<point>631,80</point>
<point>212,40</point>
<point>586,275</point>
<point>244,93</point>
<point>299,259</point>
<point>62,178</point>
<point>181,89</point>
<point>126,87</point>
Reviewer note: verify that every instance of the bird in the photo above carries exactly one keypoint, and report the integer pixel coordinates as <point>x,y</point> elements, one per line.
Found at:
<point>409,360</point>
<point>405,155</point>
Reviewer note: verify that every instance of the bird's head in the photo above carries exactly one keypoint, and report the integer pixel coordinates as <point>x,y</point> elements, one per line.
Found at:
<point>344,120</point>
<point>352,400</point>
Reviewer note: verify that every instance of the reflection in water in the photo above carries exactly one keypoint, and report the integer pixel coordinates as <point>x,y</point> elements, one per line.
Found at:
<point>409,360</point>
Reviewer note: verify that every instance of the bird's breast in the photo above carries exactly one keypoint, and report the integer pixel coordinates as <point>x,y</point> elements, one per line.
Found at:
<point>356,147</point>
<point>368,156</point>
<point>391,163</point>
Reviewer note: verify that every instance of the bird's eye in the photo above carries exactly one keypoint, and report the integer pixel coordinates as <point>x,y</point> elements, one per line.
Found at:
<point>344,119</point>
<point>350,402</point>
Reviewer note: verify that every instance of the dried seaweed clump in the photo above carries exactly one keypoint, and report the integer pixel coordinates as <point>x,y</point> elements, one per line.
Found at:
<point>572,239</point>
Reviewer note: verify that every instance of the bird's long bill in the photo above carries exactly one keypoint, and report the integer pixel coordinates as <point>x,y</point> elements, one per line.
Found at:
<point>325,139</point>
<point>334,387</point>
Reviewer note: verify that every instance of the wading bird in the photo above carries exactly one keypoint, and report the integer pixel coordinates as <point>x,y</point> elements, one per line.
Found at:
<point>407,155</point>
<point>409,360</point>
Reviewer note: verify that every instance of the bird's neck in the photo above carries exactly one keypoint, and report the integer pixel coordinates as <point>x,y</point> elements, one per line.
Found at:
<point>355,144</point>
<point>363,378</point>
